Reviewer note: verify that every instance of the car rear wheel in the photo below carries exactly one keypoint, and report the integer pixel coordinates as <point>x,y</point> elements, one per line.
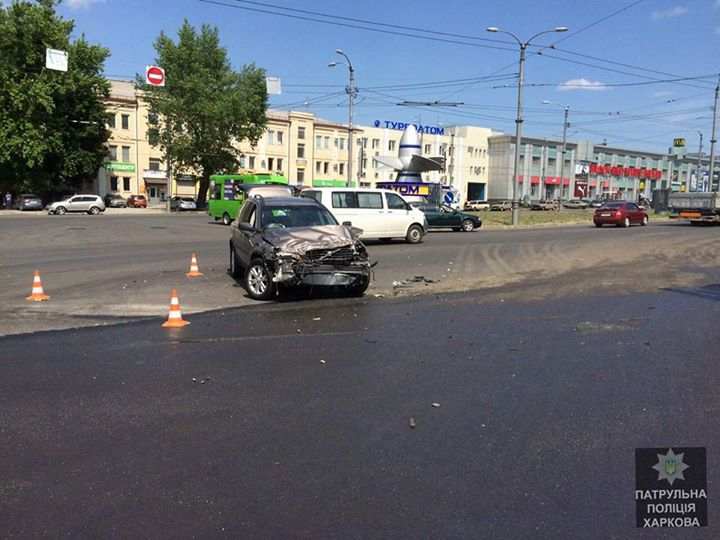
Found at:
<point>467,225</point>
<point>234,269</point>
<point>644,221</point>
<point>258,282</point>
<point>94,210</point>
<point>226,219</point>
<point>626,223</point>
<point>414,234</point>
<point>60,210</point>
<point>598,225</point>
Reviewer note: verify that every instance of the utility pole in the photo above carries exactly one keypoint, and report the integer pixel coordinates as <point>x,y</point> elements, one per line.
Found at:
<point>699,170</point>
<point>564,151</point>
<point>712,136</point>
<point>350,90</point>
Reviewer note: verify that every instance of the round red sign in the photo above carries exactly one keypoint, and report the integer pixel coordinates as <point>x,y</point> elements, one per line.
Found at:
<point>155,75</point>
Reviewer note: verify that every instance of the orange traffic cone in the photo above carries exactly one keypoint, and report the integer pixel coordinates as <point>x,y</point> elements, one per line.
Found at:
<point>38,295</point>
<point>175,319</point>
<point>194,270</point>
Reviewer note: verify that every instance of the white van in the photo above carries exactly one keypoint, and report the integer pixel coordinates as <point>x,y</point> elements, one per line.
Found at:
<point>380,213</point>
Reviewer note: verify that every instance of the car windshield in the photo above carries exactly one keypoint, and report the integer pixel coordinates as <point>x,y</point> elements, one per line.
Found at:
<point>613,205</point>
<point>289,216</point>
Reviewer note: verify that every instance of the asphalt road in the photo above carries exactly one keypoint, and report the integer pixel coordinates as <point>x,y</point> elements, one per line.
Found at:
<point>302,426</point>
<point>120,267</point>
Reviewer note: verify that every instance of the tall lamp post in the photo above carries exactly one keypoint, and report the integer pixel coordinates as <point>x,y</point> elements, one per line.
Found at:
<point>566,125</point>
<point>519,119</point>
<point>351,97</point>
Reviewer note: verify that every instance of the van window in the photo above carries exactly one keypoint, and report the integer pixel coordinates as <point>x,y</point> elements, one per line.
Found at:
<point>344,199</point>
<point>310,194</point>
<point>369,200</point>
<point>395,202</point>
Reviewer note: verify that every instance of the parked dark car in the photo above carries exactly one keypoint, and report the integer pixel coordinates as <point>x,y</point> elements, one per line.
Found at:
<point>115,200</point>
<point>620,213</point>
<point>28,201</point>
<point>136,201</point>
<point>441,216</point>
<point>543,204</point>
<point>182,203</point>
<point>501,206</point>
<point>597,203</point>
<point>289,241</point>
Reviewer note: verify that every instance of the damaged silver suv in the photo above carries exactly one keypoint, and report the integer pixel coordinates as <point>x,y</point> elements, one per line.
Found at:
<point>293,241</point>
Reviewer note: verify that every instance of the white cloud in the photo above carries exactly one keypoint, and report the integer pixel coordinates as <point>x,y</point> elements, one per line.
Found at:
<point>582,84</point>
<point>668,13</point>
<point>83,4</point>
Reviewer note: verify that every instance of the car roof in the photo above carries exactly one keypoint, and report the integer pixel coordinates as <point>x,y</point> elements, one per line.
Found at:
<point>295,201</point>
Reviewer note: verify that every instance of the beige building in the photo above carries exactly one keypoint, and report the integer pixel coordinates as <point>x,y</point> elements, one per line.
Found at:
<point>305,149</point>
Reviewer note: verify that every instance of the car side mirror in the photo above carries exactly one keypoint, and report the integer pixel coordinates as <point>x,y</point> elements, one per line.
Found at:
<point>408,206</point>
<point>347,223</point>
<point>246,227</point>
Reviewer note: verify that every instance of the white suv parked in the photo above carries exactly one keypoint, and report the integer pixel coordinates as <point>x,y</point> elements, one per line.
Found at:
<point>91,204</point>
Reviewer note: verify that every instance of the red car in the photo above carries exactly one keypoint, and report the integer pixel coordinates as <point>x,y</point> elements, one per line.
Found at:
<point>620,214</point>
<point>137,201</point>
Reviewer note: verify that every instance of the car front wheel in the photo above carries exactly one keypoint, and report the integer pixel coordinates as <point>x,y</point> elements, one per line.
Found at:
<point>234,270</point>
<point>60,210</point>
<point>467,225</point>
<point>414,234</point>
<point>258,282</point>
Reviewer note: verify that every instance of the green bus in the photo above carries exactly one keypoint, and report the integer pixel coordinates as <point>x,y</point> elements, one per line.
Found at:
<point>228,191</point>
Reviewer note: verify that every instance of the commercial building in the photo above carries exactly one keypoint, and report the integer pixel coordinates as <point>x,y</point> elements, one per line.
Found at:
<point>591,170</point>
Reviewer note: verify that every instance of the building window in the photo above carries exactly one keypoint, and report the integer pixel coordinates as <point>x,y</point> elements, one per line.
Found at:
<point>318,166</point>
<point>251,162</point>
<point>271,162</point>
<point>126,153</point>
<point>318,141</point>
<point>391,145</point>
<point>262,165</point>
<point>326,167</point>
<point>154,164</point>
<point>301,133</point>
<point>279,137</point>
<point>342,144</point>
<point>279,164</point>
<point>113,183</point>
<point>301,150</point>
<point>300,176</point>
<point>427,148</point>
<point>271,137</point>
<point>326,142</point>
<point>152,118</point>
<point>364,142</point>
<point>341,170</point>
<point>126,183</point>
<point>113,152</point>
<point>375,144</point>
<point>125,121</point>
<point>111,120</point>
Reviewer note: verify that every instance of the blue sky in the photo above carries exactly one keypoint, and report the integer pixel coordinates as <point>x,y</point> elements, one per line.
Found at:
<point>615,99</point>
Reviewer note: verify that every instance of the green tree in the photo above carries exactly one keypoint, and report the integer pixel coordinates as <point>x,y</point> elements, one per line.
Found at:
<point>205,106</point>
<point>52,123</point>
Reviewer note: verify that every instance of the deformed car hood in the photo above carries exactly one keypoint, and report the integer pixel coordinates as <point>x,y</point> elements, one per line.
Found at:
<point>299,240</point>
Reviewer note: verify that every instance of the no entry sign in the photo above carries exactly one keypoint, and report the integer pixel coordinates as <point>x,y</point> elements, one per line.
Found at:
<point>155,75</point>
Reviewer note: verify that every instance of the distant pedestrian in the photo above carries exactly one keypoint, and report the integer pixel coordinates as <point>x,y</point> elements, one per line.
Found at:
<point>8,200</point>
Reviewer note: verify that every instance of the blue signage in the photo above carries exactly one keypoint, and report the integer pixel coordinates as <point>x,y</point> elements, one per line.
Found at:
<point>389,124</point>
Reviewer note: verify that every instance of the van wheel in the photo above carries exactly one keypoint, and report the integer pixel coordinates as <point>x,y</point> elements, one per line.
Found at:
<point>94,210</point>
<point>414,234</point>
<point>258,282</point>
<point>467,225</point>
<point>226,219</point>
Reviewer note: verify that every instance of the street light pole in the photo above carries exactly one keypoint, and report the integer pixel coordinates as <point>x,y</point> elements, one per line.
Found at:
<point>699,170</point>
<point>351,98</point>
<point>519,118</point>
<point>564,151</point>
